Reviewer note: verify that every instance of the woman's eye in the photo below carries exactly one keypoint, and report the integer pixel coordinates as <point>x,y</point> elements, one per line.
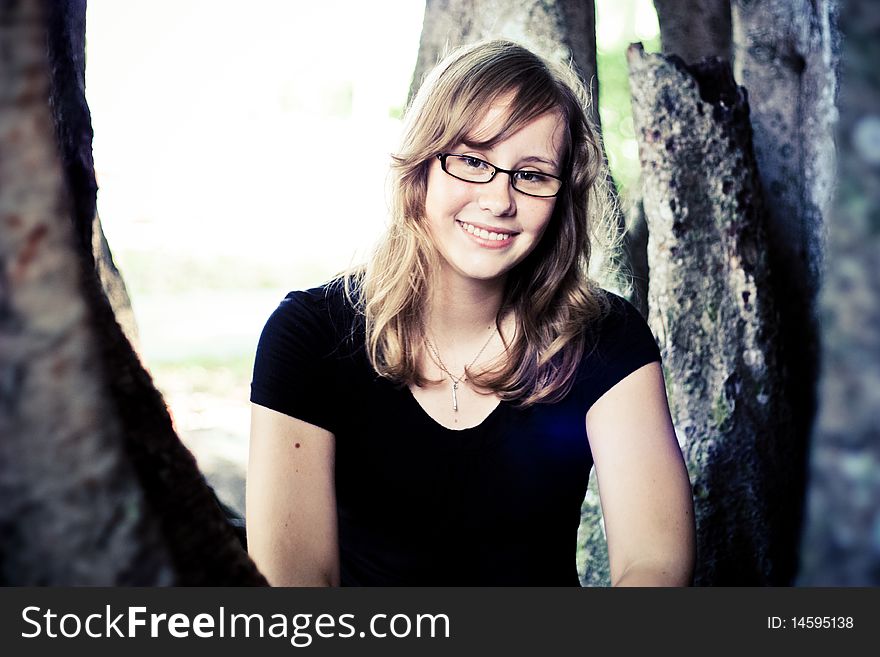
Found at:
<point>530,176</point>
<point>473,162</point>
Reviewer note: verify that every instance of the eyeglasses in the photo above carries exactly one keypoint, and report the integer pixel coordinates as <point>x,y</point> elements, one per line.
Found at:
<point>474,170</point>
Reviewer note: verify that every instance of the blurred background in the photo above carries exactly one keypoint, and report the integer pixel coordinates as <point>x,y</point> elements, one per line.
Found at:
<point>281,118</point>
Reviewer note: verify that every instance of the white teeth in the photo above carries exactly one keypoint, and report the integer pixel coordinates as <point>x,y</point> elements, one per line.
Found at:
<point>483,233</point>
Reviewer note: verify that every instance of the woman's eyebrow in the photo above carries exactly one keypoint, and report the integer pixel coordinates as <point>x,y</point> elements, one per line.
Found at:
<point>476,145</point>
<point>533,158</point>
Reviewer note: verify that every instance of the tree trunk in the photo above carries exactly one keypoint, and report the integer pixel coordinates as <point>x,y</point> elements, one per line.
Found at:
<point>97,487</point>
<point>113,285</point>
<point>841,544</point>
<point>692,31</point>
<point>72,510</point>
<point>785,55</point>
<point>73,126</point>
<point>560,30</point>
<point>695,30</point>
<point>713,311</point>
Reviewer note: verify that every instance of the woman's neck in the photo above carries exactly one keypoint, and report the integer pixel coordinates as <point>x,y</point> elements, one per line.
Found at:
<point>462,310</point>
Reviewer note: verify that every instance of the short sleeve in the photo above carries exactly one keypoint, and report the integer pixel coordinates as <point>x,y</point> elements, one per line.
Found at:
<point>293,368</point>
<point>622,344</point>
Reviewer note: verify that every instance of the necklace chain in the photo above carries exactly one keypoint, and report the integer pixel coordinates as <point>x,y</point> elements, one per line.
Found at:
<point>457,380</point>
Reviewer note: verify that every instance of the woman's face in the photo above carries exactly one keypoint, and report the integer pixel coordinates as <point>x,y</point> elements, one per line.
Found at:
<point>465,218</point>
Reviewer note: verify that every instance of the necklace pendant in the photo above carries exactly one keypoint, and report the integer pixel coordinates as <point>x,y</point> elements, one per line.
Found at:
<point>455,396</point>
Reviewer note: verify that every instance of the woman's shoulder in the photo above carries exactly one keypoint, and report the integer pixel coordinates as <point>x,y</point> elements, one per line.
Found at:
<point>324,314</point>
<point>329,301</point>
<point>615,313</point>
<point>619,342</point>
<point>298,354</point>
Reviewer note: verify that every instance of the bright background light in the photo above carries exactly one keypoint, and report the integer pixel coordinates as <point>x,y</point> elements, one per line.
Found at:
<point>257,130</point>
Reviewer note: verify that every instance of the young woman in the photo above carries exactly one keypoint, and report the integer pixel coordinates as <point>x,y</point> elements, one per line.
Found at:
<point>431,418</point>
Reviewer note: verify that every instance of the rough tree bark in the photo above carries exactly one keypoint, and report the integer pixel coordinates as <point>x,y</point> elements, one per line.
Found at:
<point>560,30</point>
<point>785,55</point>
<point>72,511</point>
<point>695,30</point>
<point>841,544</point>
<point>96,486</point>
<point>712,309</point>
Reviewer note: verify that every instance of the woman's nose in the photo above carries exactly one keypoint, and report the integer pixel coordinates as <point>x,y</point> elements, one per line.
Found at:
<point>497,196</point>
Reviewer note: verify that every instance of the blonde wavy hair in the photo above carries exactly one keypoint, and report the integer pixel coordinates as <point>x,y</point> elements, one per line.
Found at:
<point>554,302</point>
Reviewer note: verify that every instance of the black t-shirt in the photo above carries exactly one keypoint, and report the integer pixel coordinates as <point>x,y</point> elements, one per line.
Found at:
<point>420,504</point>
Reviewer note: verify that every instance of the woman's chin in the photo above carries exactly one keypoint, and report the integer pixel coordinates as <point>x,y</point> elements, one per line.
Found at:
<point>485,275</point>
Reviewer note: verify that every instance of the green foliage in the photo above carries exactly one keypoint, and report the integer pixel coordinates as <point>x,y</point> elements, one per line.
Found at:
<point>205,367</point>
<point>396,112</point>
<point>618,25</point>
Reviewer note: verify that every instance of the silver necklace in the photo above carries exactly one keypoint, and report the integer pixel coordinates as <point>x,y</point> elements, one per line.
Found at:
<point>457,380</point>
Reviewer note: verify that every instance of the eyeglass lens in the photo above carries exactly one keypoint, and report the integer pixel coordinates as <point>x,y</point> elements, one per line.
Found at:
<point>472,169</point>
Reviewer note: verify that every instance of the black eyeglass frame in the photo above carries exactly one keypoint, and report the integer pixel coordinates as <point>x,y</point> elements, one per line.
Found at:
<point>496,169</point>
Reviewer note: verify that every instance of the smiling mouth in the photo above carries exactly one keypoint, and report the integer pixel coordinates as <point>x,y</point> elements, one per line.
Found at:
<point>482,233</point>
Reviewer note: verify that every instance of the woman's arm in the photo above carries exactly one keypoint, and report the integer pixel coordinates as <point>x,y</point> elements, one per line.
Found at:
<point>291,501</point>
<point>643,483</point>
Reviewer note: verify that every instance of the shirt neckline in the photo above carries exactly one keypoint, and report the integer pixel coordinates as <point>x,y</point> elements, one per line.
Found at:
<point>433,420</point>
